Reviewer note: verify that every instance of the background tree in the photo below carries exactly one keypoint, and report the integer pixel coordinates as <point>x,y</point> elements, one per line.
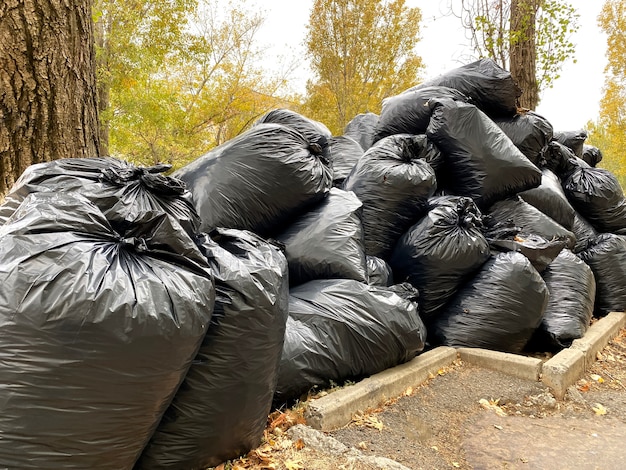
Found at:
<point>361,51</point>
<point>48,107</point>
<point>181,78</point>
<point>609,132</point>
<point>530,38</point>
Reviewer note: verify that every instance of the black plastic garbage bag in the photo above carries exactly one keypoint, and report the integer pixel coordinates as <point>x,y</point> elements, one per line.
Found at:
<point>362,128</point>
<point>607,259</point>
<point>258,181</point>
<point>220,410</point>
<point>559,159</point>
<point>394,183</point>
<point>441,251</point>
<point>550,199</point>
<point>567,317</point>
<point>341,330</point>
<point>481,161</point>
<point>314,132</point>
<point>379,272</point>
<point>344,155</point>
<point>327,242</point>
<point>597,195</point>
<point>574,140</point>
<point>529,131</point>
<point>539,251</point>
<point>585,233</point>
<point>97,328</point>
<point>409,112</point>
<point>529,219</point>
<point>591,155</point>
<point>122,191</point>
<point>488,85</point>
<point>499,309</point>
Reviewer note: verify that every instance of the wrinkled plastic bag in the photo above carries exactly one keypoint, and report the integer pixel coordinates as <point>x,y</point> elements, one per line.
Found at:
<point>574,140</point>
<point>220,410</point>
<point>258,181</point>
<point>313,131</point>
<point>568,315</point>
<point>394,183</point>
<point>481,161</point>
<point>379,272</point>
<point>362,128</point>
<point>499,309</point>
<point>597,195</point>
<point>529,131</point>
<point>327,242</point>
<point>529,219</point>
<point>591,155</point>
<point>489,86</point>
<point>409,112</point>
<point>550,199</point>
<point>607,259</point>
<point>585,233</point>
<point>344,155</point>
<point>98,329</point>
<point>441,251</point>
<point>341,330</point>
<point>122,191</point>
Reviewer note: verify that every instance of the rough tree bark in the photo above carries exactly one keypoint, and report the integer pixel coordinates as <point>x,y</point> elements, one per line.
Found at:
<point>48,106</point>
<point>523,51</point>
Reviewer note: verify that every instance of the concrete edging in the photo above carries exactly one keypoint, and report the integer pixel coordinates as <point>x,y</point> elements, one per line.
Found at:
<point>337,408</point>
<point>528,368</point>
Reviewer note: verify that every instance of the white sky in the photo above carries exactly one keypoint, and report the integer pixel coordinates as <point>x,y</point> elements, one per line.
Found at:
<point>569,105</point>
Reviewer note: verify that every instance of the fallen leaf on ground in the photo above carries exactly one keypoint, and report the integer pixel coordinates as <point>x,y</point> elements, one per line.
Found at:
<point>299,445</point>
<point>362,445</point>
<point>584,387</point>
<point>293,464</point>
<point>493,406</point>
<point>497,427</point>
<point>599,409</point>
<point>597,378</point>
<point>368,421</point>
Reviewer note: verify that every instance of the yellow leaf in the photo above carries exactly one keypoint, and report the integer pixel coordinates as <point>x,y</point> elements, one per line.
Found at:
<point>597,378</point>
<point>362,445</point>
<point>456,464</point>
<point>408,392</point>
<point>293,464</point>
<point>493,406</point>
<point>599,409</point>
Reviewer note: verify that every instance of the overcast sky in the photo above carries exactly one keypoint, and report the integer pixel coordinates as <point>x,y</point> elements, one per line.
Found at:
<point>569,105</point>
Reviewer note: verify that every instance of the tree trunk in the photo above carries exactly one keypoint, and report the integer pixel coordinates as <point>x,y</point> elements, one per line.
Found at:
<point>523,52</point>
<point>48,107</point>
<point>102,30</point>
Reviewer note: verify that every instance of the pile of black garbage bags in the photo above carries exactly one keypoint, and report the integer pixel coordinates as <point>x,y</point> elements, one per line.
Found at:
<point>152,322</point>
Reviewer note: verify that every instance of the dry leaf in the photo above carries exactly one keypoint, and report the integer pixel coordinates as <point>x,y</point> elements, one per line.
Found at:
<point>597,378</point>
<point>286,444</point>
<point>408,392</point>
<point>456,464</point>
<point>299,445</point>
<point>599,409</point>
<point>362,445</point>
<point>368,421</point>
<point>584,387</point>
<point>293,464</point>
<point>493,406</point>
<point>497,427</point>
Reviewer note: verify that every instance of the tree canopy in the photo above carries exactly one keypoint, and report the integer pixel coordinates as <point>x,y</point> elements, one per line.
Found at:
<point>360,51</point>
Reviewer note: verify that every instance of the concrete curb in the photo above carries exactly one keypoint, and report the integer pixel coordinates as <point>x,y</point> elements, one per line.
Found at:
<point>528,368</point>
<point>565,368</point>
<point>336,409</point>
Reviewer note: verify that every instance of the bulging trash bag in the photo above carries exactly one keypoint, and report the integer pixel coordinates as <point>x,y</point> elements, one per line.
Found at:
<point>574,140</point>
<point>314,132</point>
<point>567,317</point>
<point>591,155</point>
<point>362,128</point>
<point>220,410</point>
<point>441,251</point>
<point>379,272</point>
<point>344,155</point>
<point>481,161</point>
<point>529,131</point>
<point>122,191</point>
<point>550,199</point>
<point>258,181</point>
<point>341,330</point>
<point>394,183</point>
<point>327,242</point>
<point>499,309</point>
<point>529,219</point>
<point>558,158</point>
<point>607,259</point>
<point>98,329</point>
<point>585,233</point>
<point>488,85</point>
<point>597,195</point>
<point>409,112</point>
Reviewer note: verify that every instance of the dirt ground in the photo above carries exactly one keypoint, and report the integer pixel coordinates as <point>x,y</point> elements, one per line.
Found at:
<point>467,417</point>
